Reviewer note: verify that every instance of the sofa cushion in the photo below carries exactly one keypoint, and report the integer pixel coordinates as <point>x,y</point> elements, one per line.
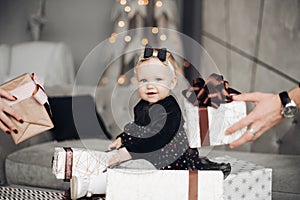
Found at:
<point>31,166</point>
<point>7,146</point>
<point>52,62</point>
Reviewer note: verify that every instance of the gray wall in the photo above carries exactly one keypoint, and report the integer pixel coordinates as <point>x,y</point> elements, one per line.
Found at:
<point>256,45</point>
<point>81,24</point>
<point>275,43</point>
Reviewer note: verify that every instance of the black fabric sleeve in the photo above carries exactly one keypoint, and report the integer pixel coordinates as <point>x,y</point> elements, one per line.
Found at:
<point>164,124</point>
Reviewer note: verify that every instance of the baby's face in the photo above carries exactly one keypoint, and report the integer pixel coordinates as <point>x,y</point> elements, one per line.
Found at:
<point>155,80</point>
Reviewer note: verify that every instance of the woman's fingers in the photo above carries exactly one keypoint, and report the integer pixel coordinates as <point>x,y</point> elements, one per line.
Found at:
<point>244,122</point>
<point>12,112</point>
<point>7,95</point>
<point>5,112</point>
<point>246,137</point>
<point>249,136</point>
<point>7,124</point>
<point>248,97</point>
<point>254,131</point>
<point>4,128</point>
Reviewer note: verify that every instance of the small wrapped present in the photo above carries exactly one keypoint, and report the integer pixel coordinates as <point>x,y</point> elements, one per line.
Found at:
<point>79,162</point>
<point>209,111</point>
<point>247,180</point>
<point>164,184</point>
<point>32,104</point>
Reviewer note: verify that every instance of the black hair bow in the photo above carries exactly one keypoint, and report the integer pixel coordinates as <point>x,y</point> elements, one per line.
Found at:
<point>161,54</point>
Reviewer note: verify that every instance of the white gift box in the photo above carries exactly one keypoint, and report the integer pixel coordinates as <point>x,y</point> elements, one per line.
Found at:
<point>246,181</point>
<point>218,121</point>
<point>80,162</point>
<point>164,184</point>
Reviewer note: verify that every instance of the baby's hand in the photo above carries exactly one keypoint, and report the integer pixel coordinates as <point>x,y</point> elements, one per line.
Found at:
<point>121,156</point>
<point>115,145</point>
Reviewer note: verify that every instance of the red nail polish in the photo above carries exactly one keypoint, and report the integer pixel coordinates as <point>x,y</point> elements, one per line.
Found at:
<point>21,121</point>
<point>8,132</point>
<point>15,131</point>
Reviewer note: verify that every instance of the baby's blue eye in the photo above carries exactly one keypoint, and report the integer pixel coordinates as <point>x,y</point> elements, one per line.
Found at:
<point>143,81</point>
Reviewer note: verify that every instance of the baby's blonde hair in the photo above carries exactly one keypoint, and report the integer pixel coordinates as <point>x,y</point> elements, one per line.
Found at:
<point>170,60</point>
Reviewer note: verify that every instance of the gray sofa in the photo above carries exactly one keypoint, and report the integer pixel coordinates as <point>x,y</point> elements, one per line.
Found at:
<point>29,163</point>
<point>31,166</point>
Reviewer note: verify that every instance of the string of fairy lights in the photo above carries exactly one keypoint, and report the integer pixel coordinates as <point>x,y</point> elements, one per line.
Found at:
<point>131,14</point>
<point>121,23</point>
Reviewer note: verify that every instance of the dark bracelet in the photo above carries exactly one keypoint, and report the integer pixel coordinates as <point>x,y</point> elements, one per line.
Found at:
<point>299,85</point>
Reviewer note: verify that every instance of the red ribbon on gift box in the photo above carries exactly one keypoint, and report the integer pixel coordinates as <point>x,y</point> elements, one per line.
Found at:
<point>193,185</point>
<point>212,92</point>
<point>68,163</point>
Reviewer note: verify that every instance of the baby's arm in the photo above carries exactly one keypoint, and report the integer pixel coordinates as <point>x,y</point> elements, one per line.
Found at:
<point>121,156</point>
<point>163,127</point>
<point>116,144</point>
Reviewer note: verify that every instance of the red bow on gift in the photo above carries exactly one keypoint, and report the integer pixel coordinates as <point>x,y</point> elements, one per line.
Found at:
<point>212,92</point>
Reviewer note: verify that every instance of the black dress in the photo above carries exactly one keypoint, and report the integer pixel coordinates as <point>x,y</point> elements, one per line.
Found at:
<point>157,135</point>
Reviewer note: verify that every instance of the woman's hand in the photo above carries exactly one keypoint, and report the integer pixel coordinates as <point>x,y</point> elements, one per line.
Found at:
<point>265,115</point>
<point>116,144</point>
<point>121,156</point>
<point>5,122</point>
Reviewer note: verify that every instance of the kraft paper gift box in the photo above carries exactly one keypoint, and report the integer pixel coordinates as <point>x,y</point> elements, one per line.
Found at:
<point>246,181</point>
<point>207,119</point>
<point>79,162</point>
<point>32,104</point>
<point>164,184</point>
